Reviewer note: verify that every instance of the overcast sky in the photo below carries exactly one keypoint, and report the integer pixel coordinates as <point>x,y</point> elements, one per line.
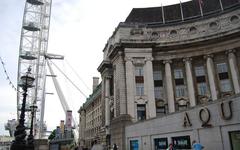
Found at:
<point>79,30</point>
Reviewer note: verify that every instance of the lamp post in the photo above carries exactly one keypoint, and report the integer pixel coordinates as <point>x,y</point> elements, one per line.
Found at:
<point>20,143</point>
<point>30,139</point>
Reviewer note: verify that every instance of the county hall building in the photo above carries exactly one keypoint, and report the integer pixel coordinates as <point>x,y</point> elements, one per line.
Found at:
<point>171,75</point>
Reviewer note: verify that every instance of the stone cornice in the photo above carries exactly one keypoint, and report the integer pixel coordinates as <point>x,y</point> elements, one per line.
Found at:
<point>185,33</point>
<point>106,64</point>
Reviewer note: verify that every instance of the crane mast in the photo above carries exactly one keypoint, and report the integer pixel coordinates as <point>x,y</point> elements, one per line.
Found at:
<point>62,98</point>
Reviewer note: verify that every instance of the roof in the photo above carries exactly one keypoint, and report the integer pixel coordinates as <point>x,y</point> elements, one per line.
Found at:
<point>172,13</point>
<point>94,95</point>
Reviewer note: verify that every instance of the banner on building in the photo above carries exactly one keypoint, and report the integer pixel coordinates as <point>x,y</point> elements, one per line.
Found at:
<point>69,120</point>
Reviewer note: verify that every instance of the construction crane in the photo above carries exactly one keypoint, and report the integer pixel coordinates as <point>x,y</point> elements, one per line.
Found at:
<point>60,94</point>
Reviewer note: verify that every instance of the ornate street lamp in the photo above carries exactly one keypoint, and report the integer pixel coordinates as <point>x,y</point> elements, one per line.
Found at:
<point>20,143</point>
<point>30,139</point>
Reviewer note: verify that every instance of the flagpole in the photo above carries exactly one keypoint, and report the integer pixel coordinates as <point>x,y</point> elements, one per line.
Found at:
<point>200,2</point>
<point>181,10</point>
<point>163,14</point>
<point>220,1</point>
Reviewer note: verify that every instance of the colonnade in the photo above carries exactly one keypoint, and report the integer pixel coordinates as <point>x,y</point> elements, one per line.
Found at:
<point>149,83</point>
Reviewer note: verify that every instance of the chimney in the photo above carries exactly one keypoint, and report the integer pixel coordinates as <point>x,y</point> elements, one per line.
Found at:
<point>95,82</point>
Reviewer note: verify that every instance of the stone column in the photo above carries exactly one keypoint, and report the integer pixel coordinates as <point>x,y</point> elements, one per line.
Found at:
<point>107,106</point>
<point>169,85</point>
<point>211,77</point>
<point>130,81</point>
<point>115,91</point>
<point>234,70</point>
<point>190,84</point>
<point>149,87</point>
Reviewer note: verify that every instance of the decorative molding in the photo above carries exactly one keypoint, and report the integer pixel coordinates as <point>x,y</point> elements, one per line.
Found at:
<point>108,77</point>
<point>167,61</point>
<point>148,59</point>
<point>128,59</point>
<point>202,29</point>
<point>136,31</point>
<point>141,99</point>
<point>208,56</point>
<point>182,101</point>
<point>187,59</point>
<point>230,51</point>
<point>138,61</point>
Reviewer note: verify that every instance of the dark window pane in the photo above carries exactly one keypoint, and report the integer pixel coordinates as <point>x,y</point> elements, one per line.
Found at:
<point>209,6</point>
<point>141,112</point>
<point>229,3</point>
<point>172,12</point>
<point>201,79</point>
<point>223,75</point>
<point>145,15</point>
<point>190,9</point>
<point>179,81</point>
<point>158,83</point>
<point>134,145</point>
<point>160,143</point>
<point>139,79</point>
<point>181,142</point>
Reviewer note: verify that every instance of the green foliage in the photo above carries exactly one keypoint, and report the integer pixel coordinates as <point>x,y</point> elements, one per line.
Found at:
<point>52,135</point>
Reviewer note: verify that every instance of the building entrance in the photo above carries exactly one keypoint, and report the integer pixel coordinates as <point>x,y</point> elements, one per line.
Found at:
<point>235,139</point>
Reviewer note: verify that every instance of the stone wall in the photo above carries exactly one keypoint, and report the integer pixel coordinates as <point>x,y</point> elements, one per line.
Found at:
<point>213,135</point>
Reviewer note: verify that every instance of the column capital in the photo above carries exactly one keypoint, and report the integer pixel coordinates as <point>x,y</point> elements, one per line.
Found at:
<point>148,59</point>
<point>120,52</point>
<point>208,56</point>
<point>230,51</point>
<point>169,61</point>
<point>138,61</point>
<point>127,58</point>
<point>187,59</point>
<point>107,77</point>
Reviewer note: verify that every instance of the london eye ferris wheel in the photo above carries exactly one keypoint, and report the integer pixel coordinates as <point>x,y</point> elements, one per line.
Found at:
<point>32,50</point>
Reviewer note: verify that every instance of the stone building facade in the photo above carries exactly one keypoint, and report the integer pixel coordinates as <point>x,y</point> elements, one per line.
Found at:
<point>90,127</point>
<point>171,75</point>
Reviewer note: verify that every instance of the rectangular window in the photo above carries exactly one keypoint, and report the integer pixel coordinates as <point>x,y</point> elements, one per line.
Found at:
<point>225,84</point>
<point>141,111</point>
<point>180,91</point>
<point>222,67</point>
<point>158,84</point>
<point>178,74</point>
<point>181,142</point>
<point>157,75</point>
<point>180,88</point>
<point>158,92</point>
<point>139,71</point>
<point>139,80</point>
<point>134,145</point>
<point>202,88</point>
<point>160,143</point>
<point>201,80</point>
<point>199,71</point>
<point>200,74</point>
<point>139,89</point>
<point>179,82</point>
<point>235,139</point>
